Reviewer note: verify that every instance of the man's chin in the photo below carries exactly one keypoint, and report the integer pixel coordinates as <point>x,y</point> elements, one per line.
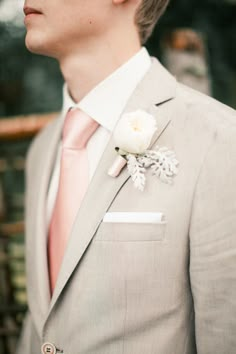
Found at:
<point>37,45</point>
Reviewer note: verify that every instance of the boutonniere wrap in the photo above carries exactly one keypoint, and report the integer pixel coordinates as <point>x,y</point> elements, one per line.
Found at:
<point>132,136</point>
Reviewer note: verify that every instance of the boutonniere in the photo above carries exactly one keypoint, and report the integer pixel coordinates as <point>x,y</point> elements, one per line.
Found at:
<point>132,136</point>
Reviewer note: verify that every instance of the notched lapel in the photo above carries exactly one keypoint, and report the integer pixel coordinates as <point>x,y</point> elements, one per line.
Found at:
<point>103,189</point>
<point>38,284</point>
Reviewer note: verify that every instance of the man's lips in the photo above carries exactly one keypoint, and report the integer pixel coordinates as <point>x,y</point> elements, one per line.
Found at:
<point>30,10</point>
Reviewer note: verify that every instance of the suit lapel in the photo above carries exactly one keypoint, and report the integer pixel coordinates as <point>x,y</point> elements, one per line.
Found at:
<point>157,87</point>
<point>37,270</point>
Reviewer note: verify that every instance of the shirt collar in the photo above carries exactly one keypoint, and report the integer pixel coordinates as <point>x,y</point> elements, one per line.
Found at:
<point>106,101</point>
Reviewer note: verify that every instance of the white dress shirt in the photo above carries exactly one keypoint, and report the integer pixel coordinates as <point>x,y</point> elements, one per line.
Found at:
<point>104,103</point>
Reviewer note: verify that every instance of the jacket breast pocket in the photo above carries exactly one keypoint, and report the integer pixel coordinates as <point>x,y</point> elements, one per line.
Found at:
<point>130,232</point>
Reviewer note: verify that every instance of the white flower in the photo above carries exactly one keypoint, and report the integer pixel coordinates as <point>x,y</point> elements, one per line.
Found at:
<point>134,132</point>
<point>133,135</point>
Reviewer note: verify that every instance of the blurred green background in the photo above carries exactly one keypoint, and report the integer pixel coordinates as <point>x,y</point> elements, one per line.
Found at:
<point>33,84</point>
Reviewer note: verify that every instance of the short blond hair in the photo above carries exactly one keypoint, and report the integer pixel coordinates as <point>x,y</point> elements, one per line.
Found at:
<point>147,15</point>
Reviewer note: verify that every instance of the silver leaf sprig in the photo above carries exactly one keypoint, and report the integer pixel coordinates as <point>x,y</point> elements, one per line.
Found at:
<point>162,162</point>
<point>137,171</point>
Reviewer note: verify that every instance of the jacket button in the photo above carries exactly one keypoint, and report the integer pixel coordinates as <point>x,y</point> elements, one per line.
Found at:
<point>48,348</point>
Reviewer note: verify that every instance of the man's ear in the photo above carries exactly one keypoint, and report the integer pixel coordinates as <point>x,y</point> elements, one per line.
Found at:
<point>132,4</point>
<point>117,2</point>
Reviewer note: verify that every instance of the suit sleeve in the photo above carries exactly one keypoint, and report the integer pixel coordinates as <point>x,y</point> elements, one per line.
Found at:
<point>213,247</point>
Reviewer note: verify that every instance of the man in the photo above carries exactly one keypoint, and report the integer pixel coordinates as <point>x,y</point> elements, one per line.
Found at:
<point>111,269</point>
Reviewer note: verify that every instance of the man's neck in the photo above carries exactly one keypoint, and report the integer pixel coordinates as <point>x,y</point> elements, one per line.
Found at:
<point>85,68</point>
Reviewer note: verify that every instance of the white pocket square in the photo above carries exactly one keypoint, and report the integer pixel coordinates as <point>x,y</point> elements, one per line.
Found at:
<point>134,217</point>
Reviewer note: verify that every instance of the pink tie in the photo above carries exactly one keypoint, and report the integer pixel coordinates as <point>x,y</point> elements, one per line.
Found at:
<point>73,183</point>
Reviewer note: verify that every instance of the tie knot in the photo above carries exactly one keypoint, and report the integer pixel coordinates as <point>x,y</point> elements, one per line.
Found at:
<point>78,128</point>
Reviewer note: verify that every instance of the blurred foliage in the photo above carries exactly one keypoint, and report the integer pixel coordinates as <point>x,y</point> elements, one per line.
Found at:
<point>216,21</point>
<point>28,83</point>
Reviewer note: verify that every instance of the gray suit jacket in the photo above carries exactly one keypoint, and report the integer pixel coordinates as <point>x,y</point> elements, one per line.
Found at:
<point>166,288</point>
